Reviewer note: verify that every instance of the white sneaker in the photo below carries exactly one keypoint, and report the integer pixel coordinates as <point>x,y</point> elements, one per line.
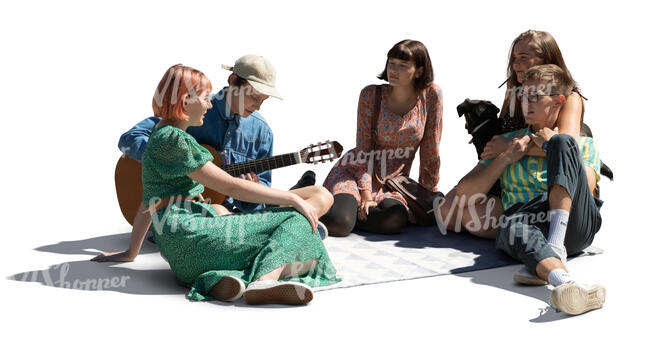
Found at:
<point>573,298</point>
<point>525,277</point>
<point>229,288</point>
<point>284,293</point>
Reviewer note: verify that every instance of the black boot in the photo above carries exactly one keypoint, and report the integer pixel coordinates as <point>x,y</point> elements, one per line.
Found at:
<point>307,179</point>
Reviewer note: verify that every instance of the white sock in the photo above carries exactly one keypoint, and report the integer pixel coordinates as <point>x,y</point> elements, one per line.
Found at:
<point>558,277</point>
<point>557,230</point>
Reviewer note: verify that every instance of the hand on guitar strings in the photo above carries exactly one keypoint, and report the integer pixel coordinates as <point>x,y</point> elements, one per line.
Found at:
<point>251,176</point>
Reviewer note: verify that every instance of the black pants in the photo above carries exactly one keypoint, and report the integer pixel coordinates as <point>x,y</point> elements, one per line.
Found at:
<point>524,231</point>
<point>388,217</point>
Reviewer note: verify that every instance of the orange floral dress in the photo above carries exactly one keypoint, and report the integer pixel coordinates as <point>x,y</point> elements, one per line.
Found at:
<point>398,138</point>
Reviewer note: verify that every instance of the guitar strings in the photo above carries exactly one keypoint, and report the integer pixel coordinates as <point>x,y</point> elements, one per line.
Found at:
<point>254,165</point>
<point>260,165</point>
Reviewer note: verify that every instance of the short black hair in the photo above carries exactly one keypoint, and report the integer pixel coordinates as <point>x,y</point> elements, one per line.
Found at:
<point>415,51</point>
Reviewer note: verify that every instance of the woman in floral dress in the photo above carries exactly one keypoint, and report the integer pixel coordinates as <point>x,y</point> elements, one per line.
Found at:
<point>268,256</point>
<point>409,117</point>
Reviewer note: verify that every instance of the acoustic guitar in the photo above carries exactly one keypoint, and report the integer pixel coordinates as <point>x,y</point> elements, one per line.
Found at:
<point>128,172</point>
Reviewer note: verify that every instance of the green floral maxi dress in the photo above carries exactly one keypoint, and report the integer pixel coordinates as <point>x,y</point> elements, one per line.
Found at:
<point>200,246</point>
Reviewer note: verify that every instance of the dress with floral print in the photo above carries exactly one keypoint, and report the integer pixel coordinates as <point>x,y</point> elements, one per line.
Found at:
<point>398,139</point>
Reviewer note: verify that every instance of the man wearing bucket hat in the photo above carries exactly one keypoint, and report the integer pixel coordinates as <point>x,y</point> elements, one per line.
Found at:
<point>232,125</point>
<point>258,72</point>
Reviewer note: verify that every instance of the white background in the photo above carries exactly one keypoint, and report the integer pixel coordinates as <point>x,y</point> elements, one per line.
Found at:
<point>75,75</point>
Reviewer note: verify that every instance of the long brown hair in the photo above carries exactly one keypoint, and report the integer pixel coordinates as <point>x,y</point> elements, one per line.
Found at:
<point>546,49</point>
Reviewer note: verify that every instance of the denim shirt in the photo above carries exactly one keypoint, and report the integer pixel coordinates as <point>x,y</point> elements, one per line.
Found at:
<point>241,139</point>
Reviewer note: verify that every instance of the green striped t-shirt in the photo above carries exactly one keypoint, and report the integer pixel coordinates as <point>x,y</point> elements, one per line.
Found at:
<point>521,181</point>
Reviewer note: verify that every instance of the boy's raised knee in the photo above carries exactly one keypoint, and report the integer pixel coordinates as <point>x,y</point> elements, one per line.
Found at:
<point>562,140</point>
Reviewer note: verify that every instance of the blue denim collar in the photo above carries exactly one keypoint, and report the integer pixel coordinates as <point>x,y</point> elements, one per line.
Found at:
<point>219,102</point>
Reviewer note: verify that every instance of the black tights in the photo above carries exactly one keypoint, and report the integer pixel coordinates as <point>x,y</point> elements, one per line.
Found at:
<point>388,217</point>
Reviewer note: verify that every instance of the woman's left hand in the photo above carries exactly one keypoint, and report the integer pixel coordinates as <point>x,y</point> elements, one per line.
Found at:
<point>364,209</point>
<point>306,210</point>
<point>497,145</point>
<point>120,256</point>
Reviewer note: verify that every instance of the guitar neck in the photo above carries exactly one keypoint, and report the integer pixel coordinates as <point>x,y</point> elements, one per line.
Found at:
<point>264,164</point>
